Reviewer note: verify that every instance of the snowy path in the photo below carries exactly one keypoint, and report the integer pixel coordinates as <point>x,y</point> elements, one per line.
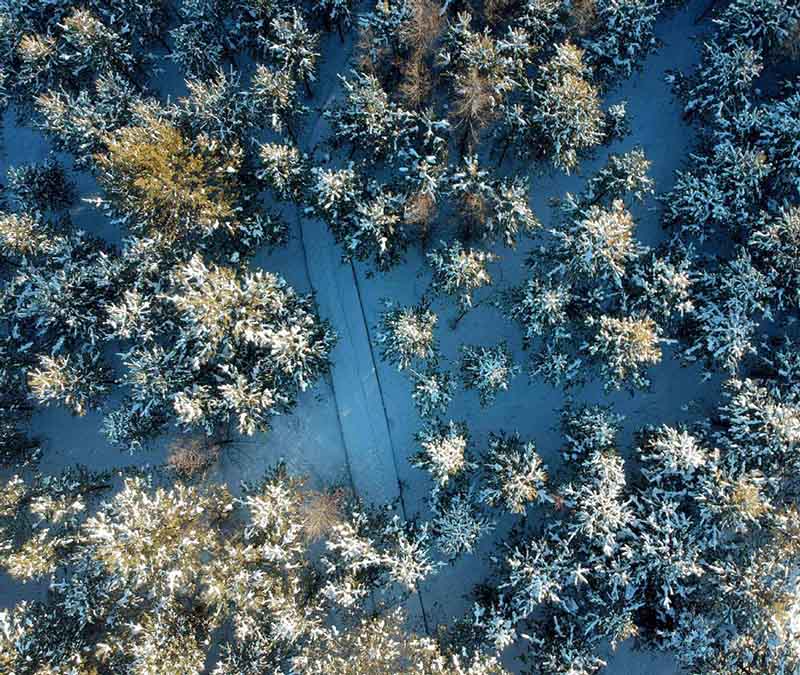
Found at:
<point>357,389</point>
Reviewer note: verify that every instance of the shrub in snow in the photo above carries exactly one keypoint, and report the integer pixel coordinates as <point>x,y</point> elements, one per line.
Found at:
<point>720,88</point>
<point>729,301</point>
<point>540,306</point>
<point>765,24</point>
<point>406,334</point>
<point>198,48</point>
<point>488,370</point>
<point>374,551</point>
<point>624,174</point>
<point>588,429</point>
<point>598,243</point>
<point>662,283</point>
<point>79,123</point>
<point>671,455</point>
<point>292,45</point>
<point>216,107</point>
<point>80,382</point>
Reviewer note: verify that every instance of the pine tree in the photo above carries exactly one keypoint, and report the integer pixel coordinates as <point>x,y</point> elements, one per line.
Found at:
<point>564,110</point>
<point>444,450</point>
<point>488,370</point>
<point>40,187</point>
<point>623,347</point>
<point>285,170</point>
<point>458,522</point>
<point>406,334</point>
<point>294,47</point>
<point>491,208</point>
<point>459,271</point>
<point>514,475</point>
<point>182,191</point>
<point>368,120</point>
<point>433,390</point>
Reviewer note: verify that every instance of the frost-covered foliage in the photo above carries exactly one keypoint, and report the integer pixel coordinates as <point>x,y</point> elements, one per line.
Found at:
<point>460,271</point>
<point>181,191</point>
<point>383,645</point>
<point>444,450</point>
<point>488,370</point>
<point>41,188</point>
<point>696,553</point>
<point>623,35</point>
<point>527,74</point>
<point>217,346</point>
<point>433,390</point>
<point>566,119</point>
<point>458,521</point>
<point>365,217</point>
<point>562,586</point>
<point>688,540</point>
<point>153,572</point>
<point>514,474</point>
<point>79,123</point>
<point>595,295</point>
<point>284,169</point>
<point>740,183</point>
<point>406,335</point>
<point>55,312</point>
<point>624,347</point>
<point>369,120</point>
<point>491,208</point>
<point>68,46</point>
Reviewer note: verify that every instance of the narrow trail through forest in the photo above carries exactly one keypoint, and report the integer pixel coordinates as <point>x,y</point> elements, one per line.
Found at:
<point>357,392</point>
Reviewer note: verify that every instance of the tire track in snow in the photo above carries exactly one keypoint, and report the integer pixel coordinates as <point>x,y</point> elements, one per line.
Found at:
<point>358,396</point>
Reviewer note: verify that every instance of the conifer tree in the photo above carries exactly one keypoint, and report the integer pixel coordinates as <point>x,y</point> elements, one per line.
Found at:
<point>407,335</point>
<point>488,370</point>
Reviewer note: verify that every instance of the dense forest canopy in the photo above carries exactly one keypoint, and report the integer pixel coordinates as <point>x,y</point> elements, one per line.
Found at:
<point>416,133</point>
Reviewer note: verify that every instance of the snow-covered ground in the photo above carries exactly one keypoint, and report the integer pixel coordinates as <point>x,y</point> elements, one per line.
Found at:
<point>356,427</point>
